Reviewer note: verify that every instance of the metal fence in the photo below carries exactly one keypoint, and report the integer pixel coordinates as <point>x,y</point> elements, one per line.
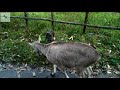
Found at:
<point>27,18</point>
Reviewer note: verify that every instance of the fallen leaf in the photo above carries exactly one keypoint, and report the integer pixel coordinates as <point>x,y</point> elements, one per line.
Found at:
<point>114,45</point>
<point>26,65</point>
<point>98,43</point>
<point>71,38</point>
<point>108,67</point>
<point>109,51</point>
<point>117,72</point>
<point>62,38</point>
<point>109,72</point>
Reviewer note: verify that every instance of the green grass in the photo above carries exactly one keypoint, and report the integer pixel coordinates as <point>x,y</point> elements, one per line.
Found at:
<point>14,36</point>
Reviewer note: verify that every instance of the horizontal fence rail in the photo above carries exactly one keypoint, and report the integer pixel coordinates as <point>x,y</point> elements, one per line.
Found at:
<point>52,20</point>
<point>65,22</point>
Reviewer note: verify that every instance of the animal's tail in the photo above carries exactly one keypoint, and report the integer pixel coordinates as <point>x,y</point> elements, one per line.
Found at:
<point>99,54</point>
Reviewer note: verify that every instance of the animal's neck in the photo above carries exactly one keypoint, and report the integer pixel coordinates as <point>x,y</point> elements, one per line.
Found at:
<point>43,48</point>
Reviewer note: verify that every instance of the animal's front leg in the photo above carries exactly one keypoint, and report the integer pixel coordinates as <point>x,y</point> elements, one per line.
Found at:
<point>54,70</point>
<point>66,75</point>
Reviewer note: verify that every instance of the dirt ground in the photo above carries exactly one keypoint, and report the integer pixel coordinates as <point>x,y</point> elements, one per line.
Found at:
<point>24,71</point>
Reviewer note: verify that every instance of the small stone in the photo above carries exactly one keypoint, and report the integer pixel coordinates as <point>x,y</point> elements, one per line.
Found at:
<point>42,69</point>
<point>22,69</point>
<point>112,77</point>
<point>10,66</point>
<point>18,75</point>
<point>73,72</point>
<point>0,65</point>
<point>108,66</point>
<point>95,73</point>
<point>48,70</point>
<point>34,74</point>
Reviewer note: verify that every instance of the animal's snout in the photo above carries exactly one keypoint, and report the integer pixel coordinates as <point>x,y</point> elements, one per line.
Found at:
<point>35,49</point>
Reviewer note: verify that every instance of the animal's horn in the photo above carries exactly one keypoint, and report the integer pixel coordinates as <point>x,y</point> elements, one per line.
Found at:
<point>30,44</point>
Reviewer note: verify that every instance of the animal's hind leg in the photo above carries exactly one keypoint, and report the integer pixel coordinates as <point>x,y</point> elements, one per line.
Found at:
<point>89,72</point>
<point>63,71</point>
<point>79,72</point>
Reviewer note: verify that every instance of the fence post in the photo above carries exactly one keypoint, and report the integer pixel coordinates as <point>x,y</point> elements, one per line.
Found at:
<point>52,17</point>
<point>85,22</point>
<point>26,18</point>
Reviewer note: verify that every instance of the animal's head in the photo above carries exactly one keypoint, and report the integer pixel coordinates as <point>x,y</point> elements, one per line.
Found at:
<point>36,46</point>
<point>50,36</point>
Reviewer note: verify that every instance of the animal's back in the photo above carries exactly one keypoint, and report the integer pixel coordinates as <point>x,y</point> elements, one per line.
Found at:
<point>71,54</point>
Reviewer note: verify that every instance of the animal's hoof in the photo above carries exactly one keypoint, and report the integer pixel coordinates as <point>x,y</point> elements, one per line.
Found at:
<point>52,74</point>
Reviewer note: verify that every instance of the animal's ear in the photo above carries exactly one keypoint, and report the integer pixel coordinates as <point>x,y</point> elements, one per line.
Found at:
<point>39,39</point>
